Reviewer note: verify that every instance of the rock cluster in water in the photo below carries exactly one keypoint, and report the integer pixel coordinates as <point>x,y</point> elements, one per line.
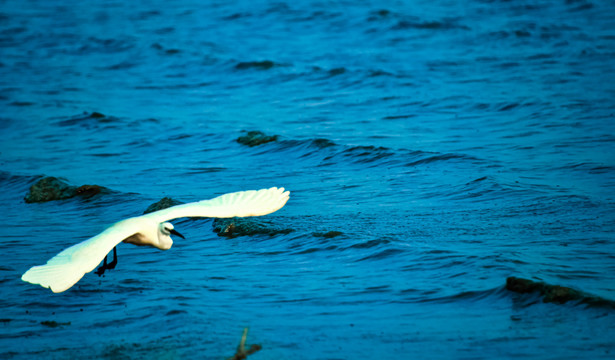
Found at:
<point>255,138</point>
<point>555,293</point>
<point>165,202</point>
<point>50,188</point>
<point>550,293</point>
<point>237,226</point>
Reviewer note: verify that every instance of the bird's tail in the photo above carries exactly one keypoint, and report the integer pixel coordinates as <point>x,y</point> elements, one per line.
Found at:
<point>57,277</point>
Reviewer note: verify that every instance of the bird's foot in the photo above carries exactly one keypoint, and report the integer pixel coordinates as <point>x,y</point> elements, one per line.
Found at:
<point>101,270</point>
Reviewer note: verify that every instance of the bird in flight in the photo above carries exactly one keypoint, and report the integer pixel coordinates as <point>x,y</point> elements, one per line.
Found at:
<point>65,269</point>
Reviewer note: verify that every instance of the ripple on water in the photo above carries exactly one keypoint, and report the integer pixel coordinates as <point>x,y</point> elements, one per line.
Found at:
<point>430,156</point>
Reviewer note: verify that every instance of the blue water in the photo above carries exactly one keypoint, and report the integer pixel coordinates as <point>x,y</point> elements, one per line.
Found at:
<point>453,144</point>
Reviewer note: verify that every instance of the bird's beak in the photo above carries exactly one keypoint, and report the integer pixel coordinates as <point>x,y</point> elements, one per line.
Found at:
<point>174,232</point>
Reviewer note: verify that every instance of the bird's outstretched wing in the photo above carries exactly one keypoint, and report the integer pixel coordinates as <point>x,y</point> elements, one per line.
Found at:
<point>242,203</point>
<point>64,270</point>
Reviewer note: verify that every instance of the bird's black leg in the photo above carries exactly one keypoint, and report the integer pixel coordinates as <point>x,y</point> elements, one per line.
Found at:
<point>105,266</point>
<point>101,270</point>
<point>114,262</point>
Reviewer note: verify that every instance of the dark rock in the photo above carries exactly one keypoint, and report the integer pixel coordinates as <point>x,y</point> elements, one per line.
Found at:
<point>322,143</point>
<point>54,324</point>
<point>97,115</point>
<point>262,65</point>
<point>329,234</point>
<point>47,189</point>
<point>560,294</point>
<point>337,71</point>
<point>88,190</point>
<point>21,103</point>
<point>550,293</point>
<point>254,138</point>
<point>90,120</point>
<point>165,202</point>
<point>50,188</point>
<point>522,285</point>
<point>237,226</point>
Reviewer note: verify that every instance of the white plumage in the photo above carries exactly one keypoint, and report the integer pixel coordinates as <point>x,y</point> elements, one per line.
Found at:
<point>64,270</point>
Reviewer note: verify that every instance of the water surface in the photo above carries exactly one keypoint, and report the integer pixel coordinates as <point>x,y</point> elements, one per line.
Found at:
<point>451,145</point>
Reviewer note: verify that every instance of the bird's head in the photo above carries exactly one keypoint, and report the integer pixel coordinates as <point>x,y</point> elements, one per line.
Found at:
<point>164,235</point>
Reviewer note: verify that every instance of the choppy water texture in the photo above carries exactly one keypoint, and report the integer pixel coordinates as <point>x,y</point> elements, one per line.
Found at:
<point>432,149</point>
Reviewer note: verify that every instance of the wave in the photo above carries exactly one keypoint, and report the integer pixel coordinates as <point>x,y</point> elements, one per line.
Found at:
<point>556,293</point>
<point>10,180</point>
<point>426,296</point>
<point>468,178</point>
<point>429,25</point>
<point>91,120</point>
<point>106,46</point>
<point>530,294</point>
<point>381,255</point>
<point>329,153</point>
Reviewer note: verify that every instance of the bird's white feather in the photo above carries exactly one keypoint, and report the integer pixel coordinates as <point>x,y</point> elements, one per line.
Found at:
<point>66,268</point>
<point>58,278</point>
<point>242,203</point>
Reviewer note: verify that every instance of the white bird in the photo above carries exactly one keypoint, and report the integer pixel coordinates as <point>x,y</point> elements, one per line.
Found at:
<point>63,271</point>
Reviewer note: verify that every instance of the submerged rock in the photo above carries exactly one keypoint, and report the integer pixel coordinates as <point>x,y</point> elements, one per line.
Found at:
<point>97,115</point>
<point>261,65</point>
<point>329,234</point>
<point>47,189</point>
<point>254,138</point>
<point>88,190</point>
<point>337,71</point>
<point>237,226</point>
<point>93,119</point>
<point>54,324</point>
<point>322,143</point>
<point>550,293</point>
<point>165,202</point>
<point>50,188</point>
